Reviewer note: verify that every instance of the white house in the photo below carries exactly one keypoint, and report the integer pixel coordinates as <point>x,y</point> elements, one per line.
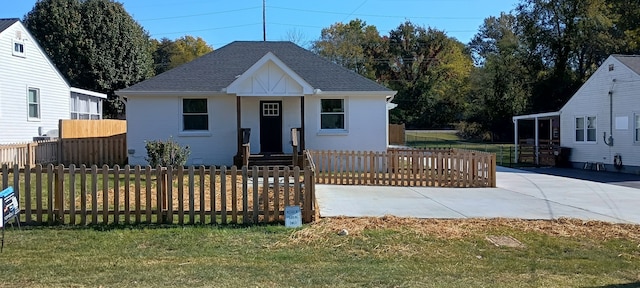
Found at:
<point>33,93</point>
<point>601,122</point>
<point>268,87</point>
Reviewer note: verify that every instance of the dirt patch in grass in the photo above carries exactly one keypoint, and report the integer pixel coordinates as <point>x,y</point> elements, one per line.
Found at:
<point>457,229</point>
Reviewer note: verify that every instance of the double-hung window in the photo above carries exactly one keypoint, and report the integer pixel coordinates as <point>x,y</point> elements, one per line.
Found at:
<point>195,116</point>
<point>586,129</point>
<point>332,114</point>
<point>18,48</point>
<point>33,103</point>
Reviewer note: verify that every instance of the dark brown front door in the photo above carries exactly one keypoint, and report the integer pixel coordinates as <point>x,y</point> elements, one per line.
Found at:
<point>270,126</point>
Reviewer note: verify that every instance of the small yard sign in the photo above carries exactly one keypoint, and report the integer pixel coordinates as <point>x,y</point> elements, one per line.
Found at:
<point>8,206</point>
<point>292,217</point>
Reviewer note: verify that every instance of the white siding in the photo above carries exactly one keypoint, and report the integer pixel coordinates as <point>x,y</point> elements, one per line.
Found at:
<point>158,118</point>
<point>17,74</point>
<point>592,99</point>
<point>366,125</point>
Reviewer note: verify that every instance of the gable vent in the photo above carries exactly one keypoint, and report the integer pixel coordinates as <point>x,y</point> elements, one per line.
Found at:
<point>19,35</point>
<point>611,67</point>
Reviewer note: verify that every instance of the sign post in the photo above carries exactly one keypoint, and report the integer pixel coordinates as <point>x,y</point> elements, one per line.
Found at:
<point>8,210</point>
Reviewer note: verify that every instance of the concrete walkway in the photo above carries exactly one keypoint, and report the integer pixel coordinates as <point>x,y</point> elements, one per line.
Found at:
<point>520,194</point>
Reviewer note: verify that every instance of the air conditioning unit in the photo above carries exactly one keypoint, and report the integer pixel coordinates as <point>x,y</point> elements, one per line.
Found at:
<point>44,138</point>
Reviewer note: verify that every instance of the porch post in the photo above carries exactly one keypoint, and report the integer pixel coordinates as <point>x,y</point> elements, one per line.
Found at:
<point>302,132</point>
<point>515,141</point>
<point>238,124</point>
<point>537,142</point>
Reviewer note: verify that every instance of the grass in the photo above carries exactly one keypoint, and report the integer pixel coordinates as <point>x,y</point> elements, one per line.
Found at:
<point>446,139</point>
<point>378,252</point>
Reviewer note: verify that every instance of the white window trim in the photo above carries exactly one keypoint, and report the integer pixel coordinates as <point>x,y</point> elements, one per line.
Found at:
<point>194,133</point>
<point>334,132</point>
<point>22,54</point>
<point>90,100</point>
<point>584,117</point>
<point>39,103</point>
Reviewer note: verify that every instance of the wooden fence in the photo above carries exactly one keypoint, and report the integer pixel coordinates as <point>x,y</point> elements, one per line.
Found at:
<point>103,195</point>
<point>396,134</point>
<point>89,142</point>
<point>74,129</point>
<point>21,154</point>
<point>406,167</point>
<point>93,151</point>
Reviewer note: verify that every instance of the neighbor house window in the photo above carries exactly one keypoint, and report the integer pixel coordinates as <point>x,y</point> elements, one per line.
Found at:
<point>194,114</point>
<point>332,114</point>
<point>85,107</point>
<point>18,48</point>
<point>586,129</point>
<point>636,128</point>
<point>34,103</point>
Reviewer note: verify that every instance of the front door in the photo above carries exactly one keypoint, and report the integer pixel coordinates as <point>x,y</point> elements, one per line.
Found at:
<point>270,126</point>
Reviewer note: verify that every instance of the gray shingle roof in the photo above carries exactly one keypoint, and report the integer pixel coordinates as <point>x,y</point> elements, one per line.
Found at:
<point>631,61</point>
<point>5,23</point>
<point>218,69</point>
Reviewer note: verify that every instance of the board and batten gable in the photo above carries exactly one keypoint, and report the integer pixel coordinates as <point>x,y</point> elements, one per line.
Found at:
<point>593,99</point>
<point>19,73</point>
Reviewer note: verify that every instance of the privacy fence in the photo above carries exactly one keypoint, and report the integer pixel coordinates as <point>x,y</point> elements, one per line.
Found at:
<point>406,167</point>
<point>81,195</point>
<point>89,142</point>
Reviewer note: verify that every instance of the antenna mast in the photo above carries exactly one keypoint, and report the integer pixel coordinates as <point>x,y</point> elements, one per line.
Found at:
<point>264,20</point>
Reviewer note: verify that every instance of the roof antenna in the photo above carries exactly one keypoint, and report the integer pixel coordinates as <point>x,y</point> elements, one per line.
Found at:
<point>264,21</point>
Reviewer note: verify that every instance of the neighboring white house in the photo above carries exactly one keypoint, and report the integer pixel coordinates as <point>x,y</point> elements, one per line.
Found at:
<point>33,93</point>
<point>601,122</point>
<point>269,87</point>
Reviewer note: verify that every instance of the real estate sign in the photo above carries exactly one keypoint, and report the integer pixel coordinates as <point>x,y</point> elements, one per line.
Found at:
<point>8,206</point>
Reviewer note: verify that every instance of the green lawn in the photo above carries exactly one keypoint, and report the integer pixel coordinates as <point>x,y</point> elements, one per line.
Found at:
<point>448,139</point>
<point>378,252</point>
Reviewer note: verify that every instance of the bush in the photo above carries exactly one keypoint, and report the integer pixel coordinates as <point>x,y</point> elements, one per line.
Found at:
<point>166,153</point>
<point>472,131</point>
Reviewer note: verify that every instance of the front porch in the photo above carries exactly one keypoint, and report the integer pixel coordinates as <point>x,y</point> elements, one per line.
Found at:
<point>537,139</point>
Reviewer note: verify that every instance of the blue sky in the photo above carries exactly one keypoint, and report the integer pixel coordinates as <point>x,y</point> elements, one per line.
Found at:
<point>221,22</point>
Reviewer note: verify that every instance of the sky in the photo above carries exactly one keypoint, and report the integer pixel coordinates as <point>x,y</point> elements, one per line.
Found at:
<point>220,22</point>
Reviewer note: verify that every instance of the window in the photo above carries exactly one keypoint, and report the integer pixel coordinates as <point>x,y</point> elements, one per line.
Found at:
<point>271,109</point>
<point>18,48</point>
<point>636,128</point>
<point>85,107</point>
<point>332,114</point>
<point>34,103</point>
<point>194,114</point>
<point>586,129</point>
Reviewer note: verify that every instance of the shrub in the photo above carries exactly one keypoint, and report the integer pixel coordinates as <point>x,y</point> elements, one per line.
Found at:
<point>166,153</point>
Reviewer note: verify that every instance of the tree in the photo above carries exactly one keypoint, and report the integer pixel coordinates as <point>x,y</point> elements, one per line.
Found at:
<point>96,45</point>
<point>169,54</point>
<point>355,46</point>
<point>430,72</point>
<point>571,37</point>
<point>501,84</point>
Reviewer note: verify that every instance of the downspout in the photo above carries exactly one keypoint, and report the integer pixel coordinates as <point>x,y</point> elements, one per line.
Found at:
<point>609,141</point>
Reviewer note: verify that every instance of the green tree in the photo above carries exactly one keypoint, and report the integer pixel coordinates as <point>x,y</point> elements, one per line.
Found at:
<point>501,83</point>
<point>355,46</point>
<point>430,72</point>
<point>96,44</point>
<point>168,54</point>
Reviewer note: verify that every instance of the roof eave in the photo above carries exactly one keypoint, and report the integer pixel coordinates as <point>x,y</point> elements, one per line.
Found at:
<point>125,93</point>
<point>354,93</point>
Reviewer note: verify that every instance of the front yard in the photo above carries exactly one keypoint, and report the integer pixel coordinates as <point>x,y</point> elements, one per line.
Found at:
<point>377,252</point>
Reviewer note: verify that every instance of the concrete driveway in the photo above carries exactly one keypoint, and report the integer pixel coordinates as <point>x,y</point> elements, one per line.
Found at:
<point>520,194</point>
